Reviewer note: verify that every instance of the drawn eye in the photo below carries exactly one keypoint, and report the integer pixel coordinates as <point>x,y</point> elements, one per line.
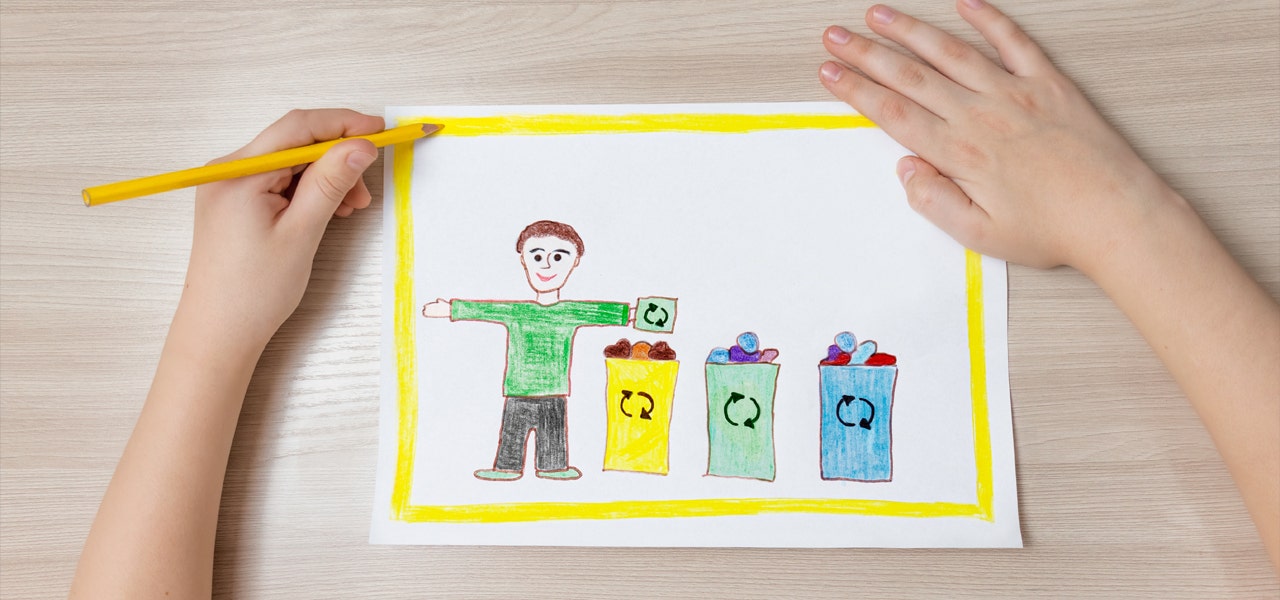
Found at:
<point>558,257</point>
<point>537,258</point>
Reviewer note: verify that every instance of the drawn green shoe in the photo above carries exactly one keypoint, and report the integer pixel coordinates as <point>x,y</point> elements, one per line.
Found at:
<point>567,473</point>
<point>498,475</point>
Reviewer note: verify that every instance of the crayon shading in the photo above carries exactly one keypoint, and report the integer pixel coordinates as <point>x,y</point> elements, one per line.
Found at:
<point>740,393</point>
<point>639,397</point>
<point>856,385</point>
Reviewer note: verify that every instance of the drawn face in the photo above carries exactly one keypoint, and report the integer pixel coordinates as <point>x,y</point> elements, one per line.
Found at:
<point>548,261</point>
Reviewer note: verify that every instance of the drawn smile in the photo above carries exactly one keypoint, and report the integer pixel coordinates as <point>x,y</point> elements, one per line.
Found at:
<point>545,279</point>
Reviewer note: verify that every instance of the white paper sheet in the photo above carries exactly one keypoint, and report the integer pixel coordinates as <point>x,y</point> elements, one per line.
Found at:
<point>795,234</point>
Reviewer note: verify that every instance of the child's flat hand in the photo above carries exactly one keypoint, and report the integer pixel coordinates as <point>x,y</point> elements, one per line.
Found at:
<point>1012,161</point>
<point>255,237</point>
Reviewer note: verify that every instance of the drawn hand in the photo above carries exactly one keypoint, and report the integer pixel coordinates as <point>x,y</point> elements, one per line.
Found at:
<point>255,237</point>
<point>441,308</point>
<point>1012,161</point>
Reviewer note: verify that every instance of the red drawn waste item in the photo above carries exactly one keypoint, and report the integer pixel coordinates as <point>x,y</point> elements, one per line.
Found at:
<point>881,359</point>
<point>840,359</point>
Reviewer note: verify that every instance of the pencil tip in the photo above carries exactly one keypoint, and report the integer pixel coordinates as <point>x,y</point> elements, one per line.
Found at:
<point>430,128</point>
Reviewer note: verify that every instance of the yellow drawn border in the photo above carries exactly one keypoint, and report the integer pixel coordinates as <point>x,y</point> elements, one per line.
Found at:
<point>578,124</point>
<point>568,124</point>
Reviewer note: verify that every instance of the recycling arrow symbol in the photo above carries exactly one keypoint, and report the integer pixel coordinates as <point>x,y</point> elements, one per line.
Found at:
<point>645,413</point>
<point>848,401</point>
<point>656,322</point>
<point>734,397</point>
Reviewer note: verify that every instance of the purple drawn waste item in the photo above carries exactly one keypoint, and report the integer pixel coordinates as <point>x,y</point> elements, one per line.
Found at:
<point>738,355</point>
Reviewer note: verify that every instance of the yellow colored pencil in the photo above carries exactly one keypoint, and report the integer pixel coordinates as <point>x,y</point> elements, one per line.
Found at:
<point>145,186</point>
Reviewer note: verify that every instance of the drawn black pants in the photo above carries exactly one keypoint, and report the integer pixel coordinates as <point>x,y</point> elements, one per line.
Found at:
<point>544,416</point>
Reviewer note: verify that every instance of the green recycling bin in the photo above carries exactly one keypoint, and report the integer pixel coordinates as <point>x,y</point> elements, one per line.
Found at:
<point>740,419</point>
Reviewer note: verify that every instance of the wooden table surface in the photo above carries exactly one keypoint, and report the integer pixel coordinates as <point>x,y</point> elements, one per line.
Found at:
<point>1122,493</point>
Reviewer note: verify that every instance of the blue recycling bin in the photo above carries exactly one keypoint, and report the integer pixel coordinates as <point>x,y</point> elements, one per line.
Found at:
<point>857,409</point>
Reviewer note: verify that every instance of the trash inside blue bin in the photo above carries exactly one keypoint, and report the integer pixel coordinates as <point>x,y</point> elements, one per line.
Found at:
<point>857,406</point>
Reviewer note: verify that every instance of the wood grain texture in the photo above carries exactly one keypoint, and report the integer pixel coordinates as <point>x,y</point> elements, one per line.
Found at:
<point>1137,505</point>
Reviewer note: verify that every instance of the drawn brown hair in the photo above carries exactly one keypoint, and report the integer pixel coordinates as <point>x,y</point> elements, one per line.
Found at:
<point>554,229</point>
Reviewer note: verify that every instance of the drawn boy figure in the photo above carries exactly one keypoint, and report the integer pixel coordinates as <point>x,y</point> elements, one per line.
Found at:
<point>539,350</point>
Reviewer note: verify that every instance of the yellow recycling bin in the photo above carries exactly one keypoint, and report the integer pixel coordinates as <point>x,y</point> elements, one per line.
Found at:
<point>638,398</point>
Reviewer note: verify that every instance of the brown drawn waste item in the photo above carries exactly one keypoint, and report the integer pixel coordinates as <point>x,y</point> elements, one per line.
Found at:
<point>622,349</point>
<point>640,351</point>
<point>662,351</point>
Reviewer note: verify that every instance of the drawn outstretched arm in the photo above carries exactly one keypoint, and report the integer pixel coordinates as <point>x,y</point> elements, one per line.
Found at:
<point>1014,162</point>
<point>439,309</point>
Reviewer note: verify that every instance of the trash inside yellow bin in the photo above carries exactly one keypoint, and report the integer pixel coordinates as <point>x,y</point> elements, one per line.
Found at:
<point>638,400</point>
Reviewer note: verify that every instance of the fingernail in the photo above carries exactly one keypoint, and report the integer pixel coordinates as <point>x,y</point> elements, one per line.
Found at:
<point>883,15</point>
<point>974,4</point>
<point>359,160</point>
<point>830,72</point>
<point>838,35</point>
<point>906,170</point>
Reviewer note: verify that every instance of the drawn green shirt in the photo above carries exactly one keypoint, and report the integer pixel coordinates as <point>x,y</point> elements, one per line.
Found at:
<point>540,338</point>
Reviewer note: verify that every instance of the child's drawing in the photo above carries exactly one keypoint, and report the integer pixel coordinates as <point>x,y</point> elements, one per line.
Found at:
<point>741,382</point>
<point>857,385</point>
<point>682,201</point>
<point>639,398</point>
<point>656,314</point>
<point>539,350</point>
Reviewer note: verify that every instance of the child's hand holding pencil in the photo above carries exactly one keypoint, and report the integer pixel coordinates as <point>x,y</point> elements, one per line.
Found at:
<point>256,233</point>
<point>255,236</point>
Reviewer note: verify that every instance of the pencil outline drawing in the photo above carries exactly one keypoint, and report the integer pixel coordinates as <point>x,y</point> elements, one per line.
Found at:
<point>640,385</point>
<point>403,506</point>
<point>540,335</point>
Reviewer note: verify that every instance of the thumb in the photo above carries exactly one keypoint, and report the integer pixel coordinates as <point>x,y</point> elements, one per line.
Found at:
<point>938,199</point>
<point>326,182</point>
